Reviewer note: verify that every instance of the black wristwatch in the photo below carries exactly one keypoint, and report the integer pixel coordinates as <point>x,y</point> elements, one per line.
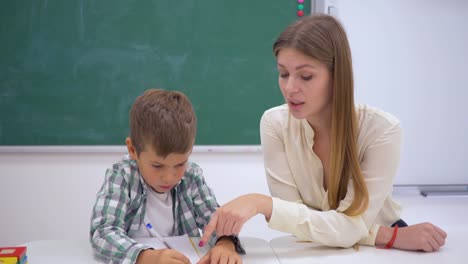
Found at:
<point>237,244</point>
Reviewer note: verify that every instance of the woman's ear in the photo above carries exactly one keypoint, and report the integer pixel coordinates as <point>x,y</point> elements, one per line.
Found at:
<point>131,149</point>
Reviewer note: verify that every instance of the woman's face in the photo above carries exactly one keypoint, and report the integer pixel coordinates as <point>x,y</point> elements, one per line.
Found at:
<point>306,83</point>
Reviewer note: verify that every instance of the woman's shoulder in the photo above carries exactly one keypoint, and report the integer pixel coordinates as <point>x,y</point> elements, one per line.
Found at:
<point>369,115</point>
<point>277,111</point>
<point>276,115</point>
<point>374,122</point>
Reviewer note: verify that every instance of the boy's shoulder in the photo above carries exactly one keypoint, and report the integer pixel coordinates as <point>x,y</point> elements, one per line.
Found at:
<point>193,172</point>
<point>193,169</point>
<point>125,164</point>
<point>125,167</point>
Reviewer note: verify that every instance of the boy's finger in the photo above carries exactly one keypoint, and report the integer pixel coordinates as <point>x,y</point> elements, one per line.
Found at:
<point>204,260</point>
<point>209,229</point>
<point>181,257</point>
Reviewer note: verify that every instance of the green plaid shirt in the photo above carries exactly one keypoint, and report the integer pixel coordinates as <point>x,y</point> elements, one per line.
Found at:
<point>120,209</point>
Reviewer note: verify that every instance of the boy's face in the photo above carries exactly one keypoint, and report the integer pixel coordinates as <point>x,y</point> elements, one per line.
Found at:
<point>162,174</point>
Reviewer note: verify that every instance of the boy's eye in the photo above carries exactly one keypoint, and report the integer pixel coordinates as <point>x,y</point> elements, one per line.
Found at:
<point>180,165</point>
<point>156,166</point>
<point>306,78</point>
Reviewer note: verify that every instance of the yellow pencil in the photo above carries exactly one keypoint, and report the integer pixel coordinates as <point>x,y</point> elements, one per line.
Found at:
<point>194,247</point>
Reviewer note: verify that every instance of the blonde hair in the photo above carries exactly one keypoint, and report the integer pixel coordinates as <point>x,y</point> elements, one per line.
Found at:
<point>164,120</point>
<point>323,38</point>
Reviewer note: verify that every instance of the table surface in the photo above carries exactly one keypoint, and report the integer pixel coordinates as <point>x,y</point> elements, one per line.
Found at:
<point>284,250</point>
<point>289,250</point>
<point>79,251</point>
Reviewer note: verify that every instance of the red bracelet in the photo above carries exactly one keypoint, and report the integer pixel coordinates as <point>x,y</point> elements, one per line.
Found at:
<point>390,243</point>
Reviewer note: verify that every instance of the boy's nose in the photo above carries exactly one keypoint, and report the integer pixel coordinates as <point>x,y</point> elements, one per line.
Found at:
<point>167,177</point>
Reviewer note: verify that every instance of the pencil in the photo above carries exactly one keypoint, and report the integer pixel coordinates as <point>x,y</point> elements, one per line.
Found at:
<point>194,247</point>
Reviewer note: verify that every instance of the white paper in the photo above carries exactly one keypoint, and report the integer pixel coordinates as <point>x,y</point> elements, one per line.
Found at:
<point>183,244</point>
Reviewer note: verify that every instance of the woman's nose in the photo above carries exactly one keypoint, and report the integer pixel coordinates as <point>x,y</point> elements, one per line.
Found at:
<point>291,87</point>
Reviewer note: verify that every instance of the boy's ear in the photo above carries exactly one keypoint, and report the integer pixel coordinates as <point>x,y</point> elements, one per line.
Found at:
<point>131,149</point>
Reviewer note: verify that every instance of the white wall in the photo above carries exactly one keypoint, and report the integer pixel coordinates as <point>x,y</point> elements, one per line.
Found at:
<point>410,58</point>
<point>50,195</point>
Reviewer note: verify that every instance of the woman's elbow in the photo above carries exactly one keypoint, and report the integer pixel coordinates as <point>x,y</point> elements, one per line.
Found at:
<point>345,240</point>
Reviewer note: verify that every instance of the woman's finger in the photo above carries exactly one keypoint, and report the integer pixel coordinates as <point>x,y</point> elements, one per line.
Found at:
<point>438,237</point>
<point>440,231</point>
<point>433,243</point>
<point>237,227</point>
<point>209,229</point>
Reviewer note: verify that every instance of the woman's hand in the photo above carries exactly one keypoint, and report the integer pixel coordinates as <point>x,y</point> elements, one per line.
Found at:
<point>425,237</point>
<point>229,218</point>
<point>224,252</point>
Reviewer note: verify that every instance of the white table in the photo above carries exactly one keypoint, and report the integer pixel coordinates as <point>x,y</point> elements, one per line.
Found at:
<point>282,250</point>
<point>80,252</point>
<point>60,251</point>
<point>289,251</point>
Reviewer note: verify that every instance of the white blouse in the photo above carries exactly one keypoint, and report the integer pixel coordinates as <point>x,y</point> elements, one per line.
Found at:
<point>295,178</point>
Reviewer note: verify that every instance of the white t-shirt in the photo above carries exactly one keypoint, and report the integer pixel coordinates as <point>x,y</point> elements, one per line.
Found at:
<point>295,178</point>
<point>159,213</point>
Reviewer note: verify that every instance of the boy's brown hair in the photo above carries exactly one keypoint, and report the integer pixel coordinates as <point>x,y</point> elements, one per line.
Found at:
<point>163,120</point>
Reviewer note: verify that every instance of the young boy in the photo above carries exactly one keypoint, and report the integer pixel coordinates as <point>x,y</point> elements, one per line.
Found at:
<point>156,184</point>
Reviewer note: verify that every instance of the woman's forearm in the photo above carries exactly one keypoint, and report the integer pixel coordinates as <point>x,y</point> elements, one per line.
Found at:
<point>264,205</point>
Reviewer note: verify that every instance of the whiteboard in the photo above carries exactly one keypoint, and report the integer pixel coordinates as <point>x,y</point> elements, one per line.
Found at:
<point>410,58</point>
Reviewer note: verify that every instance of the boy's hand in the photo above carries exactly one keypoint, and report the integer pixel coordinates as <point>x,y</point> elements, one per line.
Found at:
<point>169,256</point>
<point>224,252</point>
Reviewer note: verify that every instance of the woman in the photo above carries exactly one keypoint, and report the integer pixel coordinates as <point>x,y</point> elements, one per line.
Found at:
<point>330,164</point>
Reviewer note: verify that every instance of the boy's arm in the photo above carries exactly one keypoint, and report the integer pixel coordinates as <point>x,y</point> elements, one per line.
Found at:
<point>205,204</point>
<point>204,200</point>
<point>108,236</point>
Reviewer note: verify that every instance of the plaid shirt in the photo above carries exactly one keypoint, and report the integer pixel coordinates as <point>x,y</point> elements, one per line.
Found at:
<point>120,209</point>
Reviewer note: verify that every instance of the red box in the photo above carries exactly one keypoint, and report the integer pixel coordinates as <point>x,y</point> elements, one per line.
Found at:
<point>15,252</point>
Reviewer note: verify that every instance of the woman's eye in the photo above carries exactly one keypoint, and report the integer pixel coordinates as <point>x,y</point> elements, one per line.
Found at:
<point>284,75</point>
<point>307,78</point>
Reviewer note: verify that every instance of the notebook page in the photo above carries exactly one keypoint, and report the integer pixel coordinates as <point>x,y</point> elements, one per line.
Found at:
<point>186,246</point>
<point>183,244</point>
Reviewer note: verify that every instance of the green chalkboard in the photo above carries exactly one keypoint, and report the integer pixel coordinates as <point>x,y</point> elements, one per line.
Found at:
<point>70,70</point>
